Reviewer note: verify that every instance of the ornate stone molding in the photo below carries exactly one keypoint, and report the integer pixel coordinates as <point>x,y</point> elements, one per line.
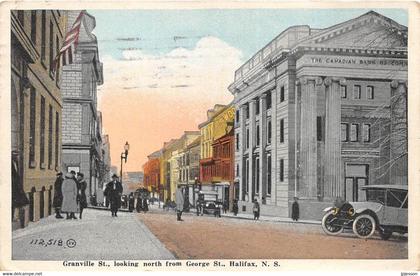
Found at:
<point>395,83</point>
<point>306,79</point>
<point>329,80</point>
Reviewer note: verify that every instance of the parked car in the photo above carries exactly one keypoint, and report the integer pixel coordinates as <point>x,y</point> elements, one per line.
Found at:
<point>385,210</point>
<point>208,203</point>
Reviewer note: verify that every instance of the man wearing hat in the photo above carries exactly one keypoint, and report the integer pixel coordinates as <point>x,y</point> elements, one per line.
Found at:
<point>82,193</point>
<point>58,195</point>
<point>114,191</point>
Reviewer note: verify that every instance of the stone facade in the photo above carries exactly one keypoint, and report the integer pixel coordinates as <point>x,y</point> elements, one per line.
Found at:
<point>315,113</point>
<point>36,111</point>
<point>82,123</point>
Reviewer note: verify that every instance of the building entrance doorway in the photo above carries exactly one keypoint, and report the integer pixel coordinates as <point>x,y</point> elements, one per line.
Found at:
<point>356,177</point>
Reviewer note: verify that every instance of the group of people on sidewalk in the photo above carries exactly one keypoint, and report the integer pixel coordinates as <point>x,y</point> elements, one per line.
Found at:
<point>69,195</point>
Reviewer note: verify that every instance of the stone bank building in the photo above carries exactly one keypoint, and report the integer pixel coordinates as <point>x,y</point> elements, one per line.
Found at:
<point>321,113</point>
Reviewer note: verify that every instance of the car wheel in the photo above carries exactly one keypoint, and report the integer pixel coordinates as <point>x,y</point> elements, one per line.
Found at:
<point>327,226</point>
<point>385,234</point>
<point>364,226</point>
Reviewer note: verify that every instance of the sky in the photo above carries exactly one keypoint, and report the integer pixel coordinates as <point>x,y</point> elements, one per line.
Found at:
<point>163,69</point>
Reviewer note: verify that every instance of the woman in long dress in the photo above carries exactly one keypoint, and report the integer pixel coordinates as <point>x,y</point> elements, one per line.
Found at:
<point>69,189</point>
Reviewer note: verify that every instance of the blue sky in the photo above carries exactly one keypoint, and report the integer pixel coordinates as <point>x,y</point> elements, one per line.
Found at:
<point>160,31</point>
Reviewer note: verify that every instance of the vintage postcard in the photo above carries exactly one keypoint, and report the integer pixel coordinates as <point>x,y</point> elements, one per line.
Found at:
<point>247,136</point>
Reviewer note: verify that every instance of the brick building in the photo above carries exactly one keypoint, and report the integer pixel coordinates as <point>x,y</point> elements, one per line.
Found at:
<point>320,113</point>
<point>151,170</point>
<point>82,137</point>
<point>36,104</point>
<point>220,120</point>
<point>189,170</point>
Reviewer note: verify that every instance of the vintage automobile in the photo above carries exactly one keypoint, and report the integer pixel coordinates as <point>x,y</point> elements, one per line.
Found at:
<point>385,210</point>
<point>208,203</point>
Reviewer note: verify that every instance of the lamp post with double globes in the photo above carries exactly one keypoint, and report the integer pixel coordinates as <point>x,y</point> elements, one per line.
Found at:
<point>124,156</point>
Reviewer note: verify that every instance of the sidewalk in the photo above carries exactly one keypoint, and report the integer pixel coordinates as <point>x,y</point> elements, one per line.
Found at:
<point>248,217</point>
<point>97,236</point>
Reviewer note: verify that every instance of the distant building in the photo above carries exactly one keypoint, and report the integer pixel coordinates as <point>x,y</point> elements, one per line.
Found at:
<point>189,170</point>
<point>215,171</point>
<point>321,113</point>
<point>36,111</point>
<point>151,170</point>
<point>132,181</point>
<point>82,138</point>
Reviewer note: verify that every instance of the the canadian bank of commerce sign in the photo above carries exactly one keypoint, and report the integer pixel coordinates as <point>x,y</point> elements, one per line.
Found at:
<point>356,61</point>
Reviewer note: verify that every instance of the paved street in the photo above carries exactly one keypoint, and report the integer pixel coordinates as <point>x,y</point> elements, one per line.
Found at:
<point>98,236</point>
<point>208,237</point>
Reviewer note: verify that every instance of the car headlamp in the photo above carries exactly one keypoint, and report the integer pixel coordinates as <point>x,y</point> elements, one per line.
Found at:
<point>335,211</point>
<point>350,211</point>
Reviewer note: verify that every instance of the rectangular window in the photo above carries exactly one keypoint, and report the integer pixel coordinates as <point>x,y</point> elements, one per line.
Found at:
<point>57,136</point>
<point>33,26</point>
<point>43,34</point>
<point>247,111</point>
<point>282,131</point>
<point>344,132</point>
<point>269,132</point>
<point>366,132</point>
<point>237,116</point>
<point>268,174</point>
<point>42,134</point>
<point>356,92</point>
<point>257,175</point>
<point>247,138</point>
<point>257,106</point>
<point>32,121</point>
<point>237,141</point>
<point>282,94</point>
<point>281,170</point>
<point>354,132</point>
<point>343,90</point>
<point>51,61</point>
<point>50,133</point>
<point>258,134</point>
<point>246,175</point>
<point>57,50</point>
<point>369,92</point>
<point>319,128</point>
<point>268,100</point>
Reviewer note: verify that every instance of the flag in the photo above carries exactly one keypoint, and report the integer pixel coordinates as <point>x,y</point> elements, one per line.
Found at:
<point>66,54</point>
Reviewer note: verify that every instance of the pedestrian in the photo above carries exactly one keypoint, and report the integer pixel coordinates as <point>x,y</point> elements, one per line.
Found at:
<point>235,207</point>
<point>179,197</point>
<point>69,191</point>
<point>58,195</point>
<point>225,206</point>
<point>145,205</point>
<point>295,209</point>
<point>131,202</point>
<point>113,191</point>
<point>82,193</point>
<point>256,209</point>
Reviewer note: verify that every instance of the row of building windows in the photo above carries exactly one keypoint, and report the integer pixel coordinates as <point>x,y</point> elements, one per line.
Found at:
<point>268,104</point>
<point>54,48</point>
<point>269,134</point>
<point>42,132</point>
<point>256,174</point>
<point>351,132</point>
<point>357,92</point>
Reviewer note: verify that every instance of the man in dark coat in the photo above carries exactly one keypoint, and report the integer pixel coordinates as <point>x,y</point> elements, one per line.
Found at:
<point>81,193</point>
<point>295,210</point>
<point>131,202</point>
<point>114,191</point>
<point>58,195</point>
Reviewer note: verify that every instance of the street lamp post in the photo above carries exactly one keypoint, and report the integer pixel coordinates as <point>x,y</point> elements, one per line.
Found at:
<point>124,156</point>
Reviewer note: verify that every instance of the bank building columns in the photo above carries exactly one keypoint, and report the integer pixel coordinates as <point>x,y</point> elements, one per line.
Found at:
<point>333,172</point>
<point>251,137</point>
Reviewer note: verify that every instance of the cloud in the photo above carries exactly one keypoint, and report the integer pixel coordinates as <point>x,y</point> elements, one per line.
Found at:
<point>148,99</point>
